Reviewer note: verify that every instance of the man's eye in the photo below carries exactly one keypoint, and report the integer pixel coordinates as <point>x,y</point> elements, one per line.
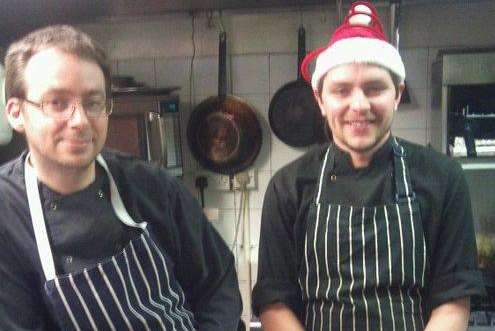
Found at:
<point>373,90</point>
<point>93,104</point>
<point>340,91</point>
<point>56,104</point>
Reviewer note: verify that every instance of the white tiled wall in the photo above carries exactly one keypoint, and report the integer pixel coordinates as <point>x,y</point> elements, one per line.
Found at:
<point>262,57</point>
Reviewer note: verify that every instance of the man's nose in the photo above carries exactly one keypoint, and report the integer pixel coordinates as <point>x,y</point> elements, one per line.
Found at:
<point>359,101</point>
<point>79,116</point>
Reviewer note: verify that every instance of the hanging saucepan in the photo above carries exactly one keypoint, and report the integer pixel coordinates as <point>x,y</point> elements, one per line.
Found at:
<point>294,115</point>
<point>223,132</point>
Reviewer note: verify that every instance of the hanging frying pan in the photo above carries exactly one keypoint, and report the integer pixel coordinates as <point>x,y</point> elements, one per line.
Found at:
<point>294,115</point>
<point>223,132</point>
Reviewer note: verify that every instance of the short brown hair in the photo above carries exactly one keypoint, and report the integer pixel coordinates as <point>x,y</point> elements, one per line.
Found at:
<point>63,37</point>
<point>396,80</point>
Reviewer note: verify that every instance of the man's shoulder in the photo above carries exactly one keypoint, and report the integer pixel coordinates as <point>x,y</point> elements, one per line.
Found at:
<point>12,193</point>
<point>305,167</point>
<point>13,166</point>
<point>429,160</point>
<point>130,170</point>
<point>12,177</point>
<point>121,159</point>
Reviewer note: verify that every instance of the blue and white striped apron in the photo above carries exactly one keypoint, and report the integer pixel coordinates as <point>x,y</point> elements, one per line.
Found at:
<point>132,290</point>
<point>364,267</point>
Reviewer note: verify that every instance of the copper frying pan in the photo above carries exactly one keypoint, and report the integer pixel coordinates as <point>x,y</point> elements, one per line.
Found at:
<point>223,132</point>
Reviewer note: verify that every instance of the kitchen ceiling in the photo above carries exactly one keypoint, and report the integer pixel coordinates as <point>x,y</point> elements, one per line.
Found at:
<point>17,17</point>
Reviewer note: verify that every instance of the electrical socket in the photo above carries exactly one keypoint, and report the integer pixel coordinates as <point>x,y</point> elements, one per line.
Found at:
<point>223,182</point>
<point>253,180</point>
<point>219,182</point>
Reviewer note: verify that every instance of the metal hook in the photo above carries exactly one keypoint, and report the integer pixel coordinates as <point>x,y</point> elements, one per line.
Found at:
<point>301,18</point>
<point>220,21</point>
<point>339,11</point>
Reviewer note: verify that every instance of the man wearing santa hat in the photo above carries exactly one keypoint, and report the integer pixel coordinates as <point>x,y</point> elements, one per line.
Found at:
<point>370,232</point>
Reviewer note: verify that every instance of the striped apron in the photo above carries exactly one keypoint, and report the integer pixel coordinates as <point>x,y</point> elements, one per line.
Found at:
<point>132,290</point>
<point>363,267</point>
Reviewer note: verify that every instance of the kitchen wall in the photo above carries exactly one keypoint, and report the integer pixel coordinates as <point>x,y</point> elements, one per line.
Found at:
<point>262,57</point>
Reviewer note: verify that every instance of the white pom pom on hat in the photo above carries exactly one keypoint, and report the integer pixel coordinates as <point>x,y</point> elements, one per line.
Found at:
<point>360,39</point>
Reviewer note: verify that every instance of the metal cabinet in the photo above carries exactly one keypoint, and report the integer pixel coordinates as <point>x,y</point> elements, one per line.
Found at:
<point>147,125</point>
<point>463,116</point>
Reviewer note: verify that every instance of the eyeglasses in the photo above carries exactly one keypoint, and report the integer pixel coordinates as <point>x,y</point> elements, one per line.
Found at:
<point>63,108</point>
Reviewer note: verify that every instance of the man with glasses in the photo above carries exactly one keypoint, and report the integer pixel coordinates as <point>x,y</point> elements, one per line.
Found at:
<point>92,239</point>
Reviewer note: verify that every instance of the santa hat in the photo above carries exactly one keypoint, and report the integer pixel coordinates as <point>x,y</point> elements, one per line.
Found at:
<point>360,39</point>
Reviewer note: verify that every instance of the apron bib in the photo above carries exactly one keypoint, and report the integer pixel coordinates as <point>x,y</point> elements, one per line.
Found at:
<point>363,268</point>
<point>132,290</point>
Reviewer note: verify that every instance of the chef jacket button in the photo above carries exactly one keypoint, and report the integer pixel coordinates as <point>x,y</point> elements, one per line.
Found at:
<point>53,206</point>
<point>333,178</point>
<point>68,259</point>
<point>100,194</point>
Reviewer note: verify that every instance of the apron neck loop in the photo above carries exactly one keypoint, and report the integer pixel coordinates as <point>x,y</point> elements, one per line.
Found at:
<point>116,200</point>
<point>38,218</point>
<point>402,179</point>
<point>328,164</point>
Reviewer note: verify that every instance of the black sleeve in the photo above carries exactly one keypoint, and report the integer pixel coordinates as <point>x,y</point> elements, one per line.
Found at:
<point>21,306</point>
<point>277,261</point>
<point>454,272</point>
<point>206,267</point>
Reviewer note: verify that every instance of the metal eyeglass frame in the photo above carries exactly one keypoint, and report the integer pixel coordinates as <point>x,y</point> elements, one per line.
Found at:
<point>106,112</point>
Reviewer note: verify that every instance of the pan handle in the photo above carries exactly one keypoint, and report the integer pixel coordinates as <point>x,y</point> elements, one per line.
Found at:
<point>301,49</point>
<point>394,21</point>
<point>222,65</point>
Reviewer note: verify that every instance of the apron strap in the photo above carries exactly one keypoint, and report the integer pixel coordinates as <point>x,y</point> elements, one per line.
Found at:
<point>38,219</point>
<point>117,204</point>
<point>402,179</point>
<point>322,174</point>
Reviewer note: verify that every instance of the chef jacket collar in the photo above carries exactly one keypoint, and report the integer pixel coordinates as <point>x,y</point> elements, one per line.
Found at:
<point>49,196</point>
<point>343,162</point>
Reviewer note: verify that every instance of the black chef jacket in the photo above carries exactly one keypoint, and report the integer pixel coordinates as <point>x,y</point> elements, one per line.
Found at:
<point>445,208</point>
<point>83,229</point>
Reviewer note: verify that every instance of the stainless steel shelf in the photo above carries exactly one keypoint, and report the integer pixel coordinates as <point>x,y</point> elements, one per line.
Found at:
<point>478,163</point>
<point>480,116</point>
<point>478,166</point>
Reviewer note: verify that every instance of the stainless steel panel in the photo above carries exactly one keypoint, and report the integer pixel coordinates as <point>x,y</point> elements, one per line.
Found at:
<point>156,140</point>
<point>469,68</point>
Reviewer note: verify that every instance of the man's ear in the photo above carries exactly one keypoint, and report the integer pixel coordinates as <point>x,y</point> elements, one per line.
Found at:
<point>402,86</point>
<point>14,114</point>
<point>320,102</point>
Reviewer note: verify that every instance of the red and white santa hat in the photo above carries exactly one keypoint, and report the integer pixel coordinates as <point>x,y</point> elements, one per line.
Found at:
<point>360,39</point>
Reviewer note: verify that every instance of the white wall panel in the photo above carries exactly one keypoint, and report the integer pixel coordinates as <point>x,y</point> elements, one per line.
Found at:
<point>260,103</point>
<point>173,72</point>
<point>142,69</point>
<point>416,63</point>
<point>413,114</point>
<point>250,74</point>
<point>283,69</point>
